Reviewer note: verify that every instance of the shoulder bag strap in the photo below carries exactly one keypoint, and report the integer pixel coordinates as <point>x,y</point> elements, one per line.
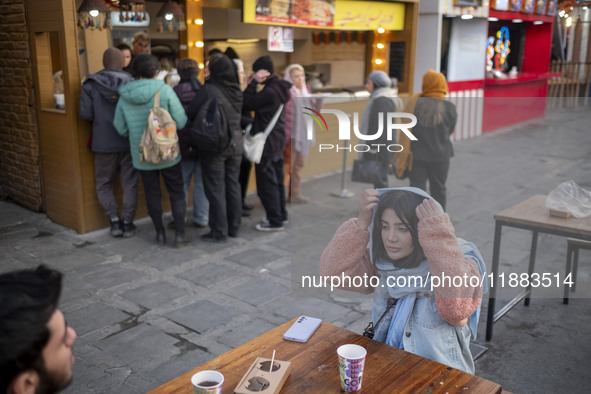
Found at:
<point>273,121</point>
<point>157,99</point>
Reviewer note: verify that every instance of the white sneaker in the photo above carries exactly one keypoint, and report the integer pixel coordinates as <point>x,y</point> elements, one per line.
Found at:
<point>266,221</point>
<point>267,227</point>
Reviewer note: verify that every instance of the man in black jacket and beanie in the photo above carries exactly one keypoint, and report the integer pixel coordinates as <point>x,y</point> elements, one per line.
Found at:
<point>269,172</point>
<point>111,151</point>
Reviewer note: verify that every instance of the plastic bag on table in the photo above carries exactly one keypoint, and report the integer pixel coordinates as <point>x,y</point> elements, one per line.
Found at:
<point>570,197</point>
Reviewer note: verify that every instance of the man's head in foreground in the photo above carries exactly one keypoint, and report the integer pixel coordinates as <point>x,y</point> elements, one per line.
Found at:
<point>35,341</point>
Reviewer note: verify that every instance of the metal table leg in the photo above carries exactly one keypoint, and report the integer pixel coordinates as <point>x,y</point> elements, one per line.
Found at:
<point>493,289</point>
<point>532,263</point>
<point>569,253</point>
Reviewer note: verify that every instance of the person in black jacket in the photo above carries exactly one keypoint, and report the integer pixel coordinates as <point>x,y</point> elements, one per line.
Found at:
<point>269,172</point>
<point>221,170</point>
<point>111,151</point>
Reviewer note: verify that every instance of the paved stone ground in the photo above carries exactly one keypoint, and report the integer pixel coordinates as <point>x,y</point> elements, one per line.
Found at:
<point>146,314</point>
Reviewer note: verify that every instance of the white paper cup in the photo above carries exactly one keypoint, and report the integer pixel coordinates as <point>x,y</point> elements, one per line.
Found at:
<point>60,101</point>
<point>351,363</point>
<point>207,382</point>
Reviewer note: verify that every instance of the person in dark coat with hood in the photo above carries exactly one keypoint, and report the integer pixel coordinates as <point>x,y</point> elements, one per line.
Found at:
<point>269,172</point>
<point>221,170</point>
<point>111,151</point>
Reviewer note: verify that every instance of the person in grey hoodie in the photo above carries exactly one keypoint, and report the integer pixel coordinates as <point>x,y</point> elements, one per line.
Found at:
<point>111,151</point>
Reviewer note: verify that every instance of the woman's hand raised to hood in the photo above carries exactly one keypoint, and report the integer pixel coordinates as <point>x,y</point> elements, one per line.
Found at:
<point>368,200</point>
<point>428,208</point>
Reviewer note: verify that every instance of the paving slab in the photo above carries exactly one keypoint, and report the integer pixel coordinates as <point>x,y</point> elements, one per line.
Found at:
<point>142,346</point>
<point>202,315</point>
<point>254,258</point>
<point>154,294</point>
<point>94,317</point>
<point>257,291</point>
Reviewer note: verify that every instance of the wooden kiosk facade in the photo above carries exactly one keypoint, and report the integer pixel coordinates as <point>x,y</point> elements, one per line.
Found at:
<point>60,173</point>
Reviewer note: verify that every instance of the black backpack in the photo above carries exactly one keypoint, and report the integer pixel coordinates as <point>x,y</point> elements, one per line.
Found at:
<point>210,131</point>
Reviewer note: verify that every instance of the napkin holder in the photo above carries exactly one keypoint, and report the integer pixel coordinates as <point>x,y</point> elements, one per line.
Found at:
<point>261,378</point>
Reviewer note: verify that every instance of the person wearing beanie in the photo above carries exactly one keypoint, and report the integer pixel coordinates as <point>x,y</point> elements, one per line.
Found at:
<point>382,100</point>
<point>98,101</point>
<point>428,158</point>
<point>263,63</point>
<point>186,90</point>
<point>269,172</point>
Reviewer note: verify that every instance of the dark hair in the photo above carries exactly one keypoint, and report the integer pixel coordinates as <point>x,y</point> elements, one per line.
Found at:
<point>404,203</point>
<point>123,46</point>
<point>28,299</point>
<point>213,51</point>
<point>144,66</point>
<point>188,66</point>
<point>231,53</point>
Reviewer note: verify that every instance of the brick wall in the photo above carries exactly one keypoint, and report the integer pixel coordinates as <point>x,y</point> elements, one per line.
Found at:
<point>20,175</point>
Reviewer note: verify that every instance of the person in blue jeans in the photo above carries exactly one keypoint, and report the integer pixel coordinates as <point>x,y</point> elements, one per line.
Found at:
<point>186,90</point>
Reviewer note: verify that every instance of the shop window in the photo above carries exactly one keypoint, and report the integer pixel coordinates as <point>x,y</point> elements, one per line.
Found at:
<point>49,68</point>
<point>397,57</point>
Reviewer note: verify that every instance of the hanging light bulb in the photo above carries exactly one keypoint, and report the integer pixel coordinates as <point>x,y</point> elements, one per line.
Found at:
<point>171,17</point>
<point>89,14</point>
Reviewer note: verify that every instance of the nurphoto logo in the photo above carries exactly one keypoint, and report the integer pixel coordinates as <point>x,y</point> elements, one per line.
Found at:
<point>387,123</point>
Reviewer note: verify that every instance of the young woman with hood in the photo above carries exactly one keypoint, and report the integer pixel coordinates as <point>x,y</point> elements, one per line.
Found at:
<point>403,239</point>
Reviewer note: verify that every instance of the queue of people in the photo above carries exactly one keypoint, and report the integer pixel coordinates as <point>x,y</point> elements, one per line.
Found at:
<point>123,101</point>
<point>220,180</point>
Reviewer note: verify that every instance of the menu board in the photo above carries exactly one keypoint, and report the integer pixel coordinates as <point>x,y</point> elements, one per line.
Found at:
<point>501,5</point>
<point>551,7</point>
<point>295,12</point>
<point>528,6</point>
<point>326,14</point>
<point>467,3</point>
<point>516,5</point>
<point>540,7</point>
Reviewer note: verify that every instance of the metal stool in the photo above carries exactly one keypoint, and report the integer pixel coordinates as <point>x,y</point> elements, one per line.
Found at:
<point>572,256</point>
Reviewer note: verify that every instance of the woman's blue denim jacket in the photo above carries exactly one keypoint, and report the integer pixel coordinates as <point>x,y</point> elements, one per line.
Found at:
<point>426,333</point>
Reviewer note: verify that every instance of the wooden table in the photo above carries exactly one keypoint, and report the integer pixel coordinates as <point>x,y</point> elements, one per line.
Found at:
<point>533,215</point>
<point>315,368</point>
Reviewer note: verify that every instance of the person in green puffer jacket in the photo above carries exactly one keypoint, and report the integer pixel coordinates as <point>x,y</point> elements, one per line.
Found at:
<point>136,100</point>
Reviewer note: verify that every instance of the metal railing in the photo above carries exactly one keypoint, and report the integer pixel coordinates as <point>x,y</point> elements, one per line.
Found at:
<point>571,88</point>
